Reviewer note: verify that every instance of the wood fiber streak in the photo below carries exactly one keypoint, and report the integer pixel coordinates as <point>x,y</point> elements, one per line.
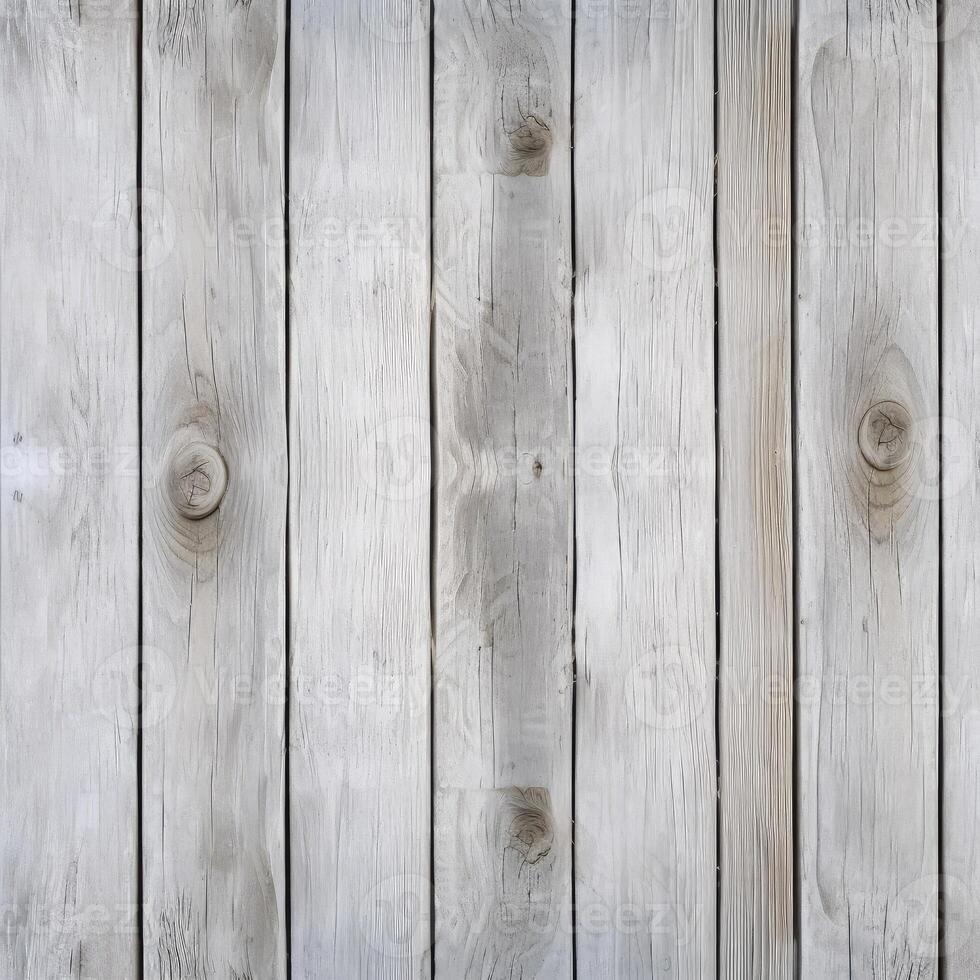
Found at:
<point>69,492</point>
<point>868,537</point>
<point>960,244</point>
<point>755,486</point>
<point>359,490</point>
<point>503,294</point>
<point>214,589</point>
<point>645,497</point>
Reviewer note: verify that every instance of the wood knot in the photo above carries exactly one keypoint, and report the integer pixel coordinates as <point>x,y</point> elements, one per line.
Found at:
<point>885,435</point>
<point>197,480</point>
<point>531,828</point>
<point>530,148</point>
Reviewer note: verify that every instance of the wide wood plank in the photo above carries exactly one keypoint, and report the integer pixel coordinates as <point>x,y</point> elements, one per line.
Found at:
<point>360,487</point>
<point>503,718</point>
<point>960,490</point>
<point>214,586</point>
<point>867,395</point>
<point>645,492</point>
<point>69,491</point>
<point>755,733</point>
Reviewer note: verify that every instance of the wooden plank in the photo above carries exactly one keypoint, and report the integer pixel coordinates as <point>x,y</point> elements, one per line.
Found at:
<point>960,491</point>
<point>755,728</point>
<point>214,586</point>
<point>69,491</point>
<point>360,488</point>
<point>867,390</point>
<point>645,492</point>
<point>503,711</point>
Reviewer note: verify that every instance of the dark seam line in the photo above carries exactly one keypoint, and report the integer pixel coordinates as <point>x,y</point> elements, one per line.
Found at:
<point>573,556</point>
<point>433,493</point>
<point>795,490</point>
<point>287,591</point>
<point>141,931</point>
<point>717,421</point>
<point>940,14</point>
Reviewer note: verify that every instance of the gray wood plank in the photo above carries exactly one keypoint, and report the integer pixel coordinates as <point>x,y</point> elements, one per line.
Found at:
<point>503,717</point>
<point>645,492</point>
<point>69,492</point>
<point>214,586</point>
<point>960,498</point>
<point>755,489</point>
<point>867,396</point>
<point>360,488</point>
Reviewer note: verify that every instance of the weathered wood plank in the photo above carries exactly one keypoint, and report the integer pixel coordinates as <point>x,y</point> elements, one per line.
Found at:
<point>69,491</point>
<point>503,718</point>
<point>214,586</point>
<point>360,487</point>
<point>960,379</point>
<point>645,491</point>
<point>755,489</point>
<point>867,395</point>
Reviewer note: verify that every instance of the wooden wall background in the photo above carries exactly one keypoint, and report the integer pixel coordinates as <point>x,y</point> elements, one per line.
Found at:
<point>489,489</point>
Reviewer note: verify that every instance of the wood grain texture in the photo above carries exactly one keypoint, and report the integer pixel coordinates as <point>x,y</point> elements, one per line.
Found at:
<point>960,498</point>
<point>360,489</point>
<point>69,492</point>
<point>645,492</point>
<point>503,719</point>
<point>214,588</point>
<point>755,733</point>
<point>868,536</point>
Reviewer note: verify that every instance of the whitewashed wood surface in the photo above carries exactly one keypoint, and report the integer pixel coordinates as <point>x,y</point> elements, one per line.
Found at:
<point>359,722</point>
<point>69,493</point>
<point>645,833</point>
<point>213,330</point>
<point>868,557</point>
<point>488,488</point>
<point>502,578</point>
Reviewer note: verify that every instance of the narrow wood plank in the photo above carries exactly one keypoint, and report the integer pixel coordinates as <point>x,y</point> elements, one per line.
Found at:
<point>69,491</point>
<point>214,586</point>
<point>503,718</point>
<point>867,390</point>
<point>360,490</point>
<point>960,379</point>
<point>645,526</point>
<point>755,489</point>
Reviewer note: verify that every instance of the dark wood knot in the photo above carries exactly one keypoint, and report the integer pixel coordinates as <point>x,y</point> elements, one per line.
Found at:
<point>530,148</point>
<point>885,435</point>
<point>198,477</point>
